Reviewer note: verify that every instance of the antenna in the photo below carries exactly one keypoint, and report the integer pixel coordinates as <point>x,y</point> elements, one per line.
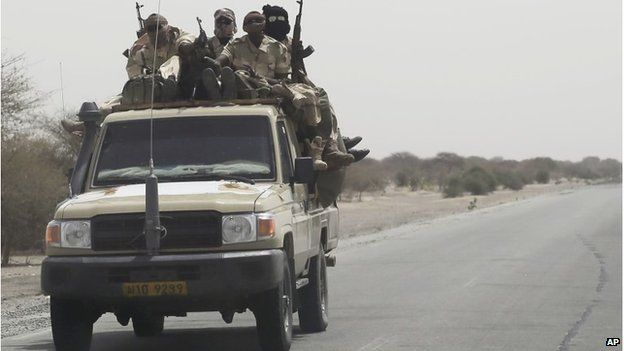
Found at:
<point>153,229</point>
<point>62,94</point>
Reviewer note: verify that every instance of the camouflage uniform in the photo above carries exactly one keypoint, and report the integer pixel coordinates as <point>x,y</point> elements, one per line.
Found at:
<point>142,52</point>
<point>214,47</point>
<point>269,59</point>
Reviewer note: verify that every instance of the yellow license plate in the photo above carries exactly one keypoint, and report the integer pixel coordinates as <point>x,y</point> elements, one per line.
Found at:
<point>154,289</point>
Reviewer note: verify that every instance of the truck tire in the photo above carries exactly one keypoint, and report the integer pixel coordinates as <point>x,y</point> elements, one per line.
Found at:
<point>273,311</point>
<point>313,297</point>
<point>146,325</point>
<point>72,325</point>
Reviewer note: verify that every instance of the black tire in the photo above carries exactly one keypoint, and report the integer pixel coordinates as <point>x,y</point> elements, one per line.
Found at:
<point>313,297</point>
<point>72,325</point>
<point>273,311</point>
<point>146,325</point>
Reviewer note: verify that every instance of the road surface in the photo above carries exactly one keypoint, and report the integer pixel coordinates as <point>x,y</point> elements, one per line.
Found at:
<point>539,274</point>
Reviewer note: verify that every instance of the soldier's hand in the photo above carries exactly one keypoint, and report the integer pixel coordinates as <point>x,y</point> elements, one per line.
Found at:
<point>251,71</point>
<point>185,49</point>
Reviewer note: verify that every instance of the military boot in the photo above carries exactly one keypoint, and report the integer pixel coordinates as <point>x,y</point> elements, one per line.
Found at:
<point>359,155</point>
<point>316,148</point>
<point>351,142</point>
<point>228,83</point>
<point>76,128</point>
<point>209,79</point>
<point>334,157</point>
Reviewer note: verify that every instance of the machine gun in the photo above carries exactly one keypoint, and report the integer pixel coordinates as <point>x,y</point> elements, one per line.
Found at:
<point>141,30</point>
<point>298,52</point>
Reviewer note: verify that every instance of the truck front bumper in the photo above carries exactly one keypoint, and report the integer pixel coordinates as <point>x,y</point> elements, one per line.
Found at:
<point>229,274</point>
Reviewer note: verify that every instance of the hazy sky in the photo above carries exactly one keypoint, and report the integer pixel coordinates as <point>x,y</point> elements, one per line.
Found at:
<point>511,78</point>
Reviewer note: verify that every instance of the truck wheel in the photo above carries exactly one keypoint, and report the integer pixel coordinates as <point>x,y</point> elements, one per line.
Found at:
<point>273,313</point>
<point>313,297</point>
<point>146,325</point>
<point>72,325</point>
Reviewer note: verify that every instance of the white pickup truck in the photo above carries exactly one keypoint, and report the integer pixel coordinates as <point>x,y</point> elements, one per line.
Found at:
<point>242,228</point>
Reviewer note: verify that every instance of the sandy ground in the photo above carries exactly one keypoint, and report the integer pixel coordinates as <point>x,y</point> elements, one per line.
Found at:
<point>24,308</point>
<point>378,212</point>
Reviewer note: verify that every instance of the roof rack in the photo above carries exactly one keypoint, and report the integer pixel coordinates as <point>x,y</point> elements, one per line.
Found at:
<point>197,103</point>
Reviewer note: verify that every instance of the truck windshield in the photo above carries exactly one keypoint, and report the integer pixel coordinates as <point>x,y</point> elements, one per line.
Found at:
<point>186,149</point>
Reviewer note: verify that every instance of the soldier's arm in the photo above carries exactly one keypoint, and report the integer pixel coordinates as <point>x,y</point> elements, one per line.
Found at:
<point>282,67</point>
<point>133,68</point>
<point>226,58</point>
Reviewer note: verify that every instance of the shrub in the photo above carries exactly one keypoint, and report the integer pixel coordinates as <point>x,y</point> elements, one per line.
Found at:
<point>542,177</point>
<point>453,187</point>
<point>478,181</point>
<point>510,180</point>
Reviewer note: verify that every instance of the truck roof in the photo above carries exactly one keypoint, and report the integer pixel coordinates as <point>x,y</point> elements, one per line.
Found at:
<point>249,107</point>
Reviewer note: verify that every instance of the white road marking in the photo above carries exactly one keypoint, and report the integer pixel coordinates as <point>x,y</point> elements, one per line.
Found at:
<point>378,343</point>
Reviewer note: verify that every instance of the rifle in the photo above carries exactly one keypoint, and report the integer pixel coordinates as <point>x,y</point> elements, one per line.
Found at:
<point>202,39</point>
<point>298,52</point>
<point>141,30</point>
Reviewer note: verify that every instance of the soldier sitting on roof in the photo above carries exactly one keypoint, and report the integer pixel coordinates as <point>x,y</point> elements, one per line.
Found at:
<point>278,27</point>
<point>224,30</point>
<point>259,62</point>
<point>172,42</point>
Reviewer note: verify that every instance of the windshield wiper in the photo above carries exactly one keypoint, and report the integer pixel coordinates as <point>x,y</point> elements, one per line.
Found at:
<point>205,176</point>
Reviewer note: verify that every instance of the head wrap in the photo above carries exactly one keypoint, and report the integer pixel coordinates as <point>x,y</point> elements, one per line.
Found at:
<point>224,30</point>
<point>277,26</point>
<point>155,19</point>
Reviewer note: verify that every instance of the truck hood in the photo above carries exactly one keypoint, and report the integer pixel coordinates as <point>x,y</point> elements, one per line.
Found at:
<point>222,196</point>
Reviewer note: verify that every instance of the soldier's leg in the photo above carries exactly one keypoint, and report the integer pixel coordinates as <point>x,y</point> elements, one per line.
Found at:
<point>333,155</point>
<point>228,83</point>
<point>209,80</point>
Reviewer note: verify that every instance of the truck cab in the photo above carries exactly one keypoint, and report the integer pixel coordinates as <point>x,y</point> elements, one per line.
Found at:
<point>241,224</point>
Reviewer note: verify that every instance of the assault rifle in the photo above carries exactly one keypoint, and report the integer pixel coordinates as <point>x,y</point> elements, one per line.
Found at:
<point>141,30</point>
<point>298,52</point>
<point>202,39</point>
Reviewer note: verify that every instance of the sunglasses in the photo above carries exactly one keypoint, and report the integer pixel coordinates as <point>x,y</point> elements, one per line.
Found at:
<point>224,20</point>
<point>277,18</point>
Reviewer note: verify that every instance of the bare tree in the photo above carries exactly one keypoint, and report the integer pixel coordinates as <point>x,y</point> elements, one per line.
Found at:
<point>35,155</point>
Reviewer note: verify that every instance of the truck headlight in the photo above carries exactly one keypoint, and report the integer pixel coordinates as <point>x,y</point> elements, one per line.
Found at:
<point>238,228</point>
<point>76,234</point>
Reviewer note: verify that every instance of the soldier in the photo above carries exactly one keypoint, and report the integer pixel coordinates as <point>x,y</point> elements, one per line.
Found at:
<point>256,51</point>
<point>224,30</point>
<point>278,27</point>
<point>258,60</point>
<point>171,41</point>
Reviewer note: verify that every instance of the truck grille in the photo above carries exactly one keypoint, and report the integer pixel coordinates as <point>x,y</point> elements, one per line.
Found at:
<point>184,230</point>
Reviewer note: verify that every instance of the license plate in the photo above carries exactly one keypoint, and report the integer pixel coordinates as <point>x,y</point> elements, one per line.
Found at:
<point>154,289</point>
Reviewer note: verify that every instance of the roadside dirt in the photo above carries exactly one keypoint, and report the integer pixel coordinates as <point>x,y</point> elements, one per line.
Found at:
<point>25,309</point>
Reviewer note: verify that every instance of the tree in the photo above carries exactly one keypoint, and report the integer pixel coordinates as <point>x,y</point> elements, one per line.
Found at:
<point>19,98</point>
<point>35,155</point>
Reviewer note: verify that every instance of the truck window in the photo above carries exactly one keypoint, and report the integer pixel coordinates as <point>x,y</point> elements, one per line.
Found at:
<point>186,149</point>
<point>285,156</point>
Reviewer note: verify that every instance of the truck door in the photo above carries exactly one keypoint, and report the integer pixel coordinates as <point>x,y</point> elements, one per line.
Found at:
<point>300,203</point>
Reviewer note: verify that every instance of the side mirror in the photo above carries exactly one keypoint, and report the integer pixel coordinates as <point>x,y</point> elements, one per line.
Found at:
<point>304,170</point>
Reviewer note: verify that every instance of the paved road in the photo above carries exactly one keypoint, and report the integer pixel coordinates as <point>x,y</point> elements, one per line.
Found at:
<point>540,274</point>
